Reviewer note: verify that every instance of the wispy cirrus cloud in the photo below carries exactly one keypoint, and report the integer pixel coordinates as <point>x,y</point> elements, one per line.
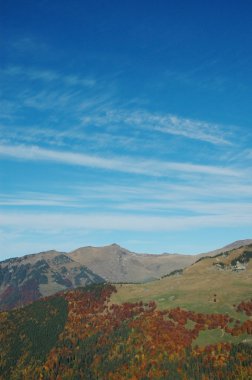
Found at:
<point>116,163</point>
<point>208,191</point>
<point>48,76</point>
<point>189,207</point>
<point>164,123</point>
<point>151,207</point>
<point>95,105</point>
<point>47,100</point>
<point>193,129</point>
<point>212,197</point>
<point>38,199</point>
<point>130,222</point>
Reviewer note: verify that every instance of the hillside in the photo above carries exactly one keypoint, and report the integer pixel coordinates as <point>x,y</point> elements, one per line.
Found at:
<point>209,285</point>
<point>229,247</point>
<point>81,334</point>
<point>28,278</point>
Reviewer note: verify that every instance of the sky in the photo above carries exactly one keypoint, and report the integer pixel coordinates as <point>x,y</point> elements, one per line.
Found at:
<point>125,122</point>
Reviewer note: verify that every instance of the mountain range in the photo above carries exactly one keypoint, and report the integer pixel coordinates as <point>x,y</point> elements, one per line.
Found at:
<point>25,279</point>
<point>190,324</point>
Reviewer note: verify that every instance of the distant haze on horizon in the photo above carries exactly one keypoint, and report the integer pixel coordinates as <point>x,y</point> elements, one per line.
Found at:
<point>125,122</point>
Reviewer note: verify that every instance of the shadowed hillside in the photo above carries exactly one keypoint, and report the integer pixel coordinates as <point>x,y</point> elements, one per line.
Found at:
<point>28,278</point>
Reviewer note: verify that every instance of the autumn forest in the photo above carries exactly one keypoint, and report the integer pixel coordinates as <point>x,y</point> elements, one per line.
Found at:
<point>81,334</point>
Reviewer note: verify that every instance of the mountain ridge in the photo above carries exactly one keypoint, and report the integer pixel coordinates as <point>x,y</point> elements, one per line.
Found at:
<point>24,279</point>
<point>235,244</point>
<point>118,264</point>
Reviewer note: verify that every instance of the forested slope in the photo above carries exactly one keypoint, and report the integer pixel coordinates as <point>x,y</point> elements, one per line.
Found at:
<point>80,334</point>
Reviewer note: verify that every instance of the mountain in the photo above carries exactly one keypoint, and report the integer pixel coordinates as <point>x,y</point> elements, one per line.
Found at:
<point>117,264</point>
<point>25,279</point>
<point>212,284</point>
<point>193,323</point>
<point>30,277</point>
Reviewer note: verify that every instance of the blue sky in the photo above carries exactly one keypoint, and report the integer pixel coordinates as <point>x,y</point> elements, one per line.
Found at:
<point>126,122</point>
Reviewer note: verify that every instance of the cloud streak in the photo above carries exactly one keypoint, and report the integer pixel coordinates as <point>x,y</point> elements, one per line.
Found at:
<point>100,110</point>
<point>164,123</point>
<point>115,163</point>
<point>118,222</point>
<point>49,76</point>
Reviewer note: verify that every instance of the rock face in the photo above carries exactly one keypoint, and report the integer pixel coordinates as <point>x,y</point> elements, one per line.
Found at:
<point>28,278</point>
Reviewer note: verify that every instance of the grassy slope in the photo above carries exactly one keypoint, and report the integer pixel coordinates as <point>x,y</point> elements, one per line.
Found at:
<point>195,289</point>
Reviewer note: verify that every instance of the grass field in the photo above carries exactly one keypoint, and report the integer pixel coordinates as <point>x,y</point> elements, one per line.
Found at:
<point>194,293</point>
<point>201,288</point>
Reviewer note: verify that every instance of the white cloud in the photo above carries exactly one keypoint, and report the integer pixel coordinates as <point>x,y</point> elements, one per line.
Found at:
<point>37,199</point>
<point>61,221</point>
<point>203,208</point>
<point>193,129</point>
<point>44,100</point>
<point>97,108</point>
<point>151,197</point>
<point>164,123</point>
<point>208,191</point>
<point>115,163</point>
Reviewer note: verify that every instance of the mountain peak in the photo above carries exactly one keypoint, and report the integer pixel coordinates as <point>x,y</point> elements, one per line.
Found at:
<point>115,245</point>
